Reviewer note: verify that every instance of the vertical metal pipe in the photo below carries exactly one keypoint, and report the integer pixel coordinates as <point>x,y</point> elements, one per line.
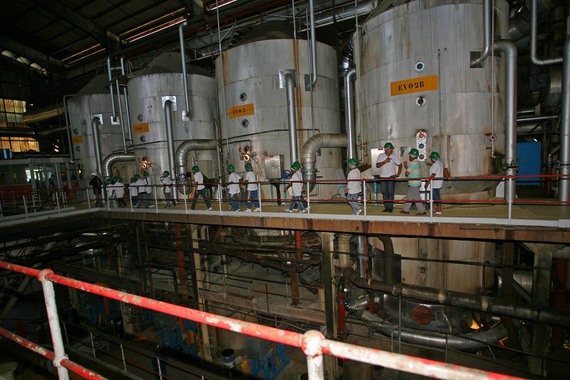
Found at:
<point>361,250</point>
<point>291,115</point>
<point>94,124</point>
<point>487,35</point>
<point>186,111</point>
<point>564,187</point>
<point>313,46</point>
<point>180,255</point>
<point>349,116</point>
<point>126,98</point>
<point>69,140</point>
<point>295,275</point>
<point>170,141</point>
<point>110,75</point>
<point>120,118</point>
<point>533,58</point>
<point>509,49</point>
<point>53,320</point>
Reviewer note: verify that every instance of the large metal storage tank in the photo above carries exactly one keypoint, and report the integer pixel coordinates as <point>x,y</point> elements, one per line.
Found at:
<point>93,100</point>
<point>417,89</point>
<point>414,75</point>
<point>149,89</point>
<point>254,113</point>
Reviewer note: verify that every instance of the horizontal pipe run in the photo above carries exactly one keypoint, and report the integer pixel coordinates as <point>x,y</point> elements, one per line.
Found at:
<point>72,366</point>
<point>312,342</point>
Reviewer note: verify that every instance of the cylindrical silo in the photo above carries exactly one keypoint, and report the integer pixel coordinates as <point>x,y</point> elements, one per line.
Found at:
<point>149,91</point>
<point>414,74</point>
<point>416,88</point>
<point>254,112</point>
<point>93,101</point>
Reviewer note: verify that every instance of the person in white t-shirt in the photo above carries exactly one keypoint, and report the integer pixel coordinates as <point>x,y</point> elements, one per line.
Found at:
<point>252,187</point>
<point>200,188</point>
<point>296,185</point>
<point>436,180</point>
<point>390,168</point>
<point>353,186</point>
<point>133,190</point>
<point>167,189</point>
<point>233,187</point>
<point>119,188</point>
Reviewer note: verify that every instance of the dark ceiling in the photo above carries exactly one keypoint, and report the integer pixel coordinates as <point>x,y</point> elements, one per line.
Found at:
<point>51,48</point>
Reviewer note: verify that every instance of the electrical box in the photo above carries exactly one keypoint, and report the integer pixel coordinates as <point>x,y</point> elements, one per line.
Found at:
<point>274,166</point>
<point>529,159</point>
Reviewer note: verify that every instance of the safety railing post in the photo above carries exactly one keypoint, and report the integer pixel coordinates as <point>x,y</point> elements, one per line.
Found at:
<point>259,196</point>
<point>93,345</point>
<point>185,198</point>
<point>308,200</point>
<point>431,203</point>
<point>25,206</point>
<point>156,199</point>
<point>88,198</point>
<point>364,195</point>
<point>57,201</point>
<point>312,348</point>
<point>131,201</point>
<point>54,326</point>
<point>220,196</point>
<point>510,201</point>
<point>123,358</point>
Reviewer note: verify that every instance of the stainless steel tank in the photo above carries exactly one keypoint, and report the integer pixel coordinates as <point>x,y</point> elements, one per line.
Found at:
<point>93,100</point>
<point>414,74</point>
<point>148,91</point>
<point>254,112</point>
<point>416,89</point>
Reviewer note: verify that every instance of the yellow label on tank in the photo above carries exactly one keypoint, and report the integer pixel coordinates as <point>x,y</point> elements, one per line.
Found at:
<point>246,109</point>
<point>141,128</point>
<point>408,86</point>
<point>77,140</point>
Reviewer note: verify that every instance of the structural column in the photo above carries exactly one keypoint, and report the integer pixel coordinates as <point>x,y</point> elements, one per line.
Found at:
<point>329,286</point>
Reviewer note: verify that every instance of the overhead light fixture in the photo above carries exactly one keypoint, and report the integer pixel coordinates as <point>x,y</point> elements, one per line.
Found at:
<point>219,4</point>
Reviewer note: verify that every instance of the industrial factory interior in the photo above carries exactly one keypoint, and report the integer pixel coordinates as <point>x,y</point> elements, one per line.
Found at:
<point>203,189</point>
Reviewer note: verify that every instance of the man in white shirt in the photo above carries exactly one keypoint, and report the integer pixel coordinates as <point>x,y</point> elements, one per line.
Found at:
<point>436,175</point>
<point>119,187</point>
<point>252,187</point>
<point>390,169</point>
<point>296,185</point>
<point>353,186</point>
<point>233,187</point>
<point>200,188</point>
<point>167,188</point>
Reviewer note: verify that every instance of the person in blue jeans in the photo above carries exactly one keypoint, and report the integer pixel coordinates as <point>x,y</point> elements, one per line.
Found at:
<point>200,188</point>
<point>252,188</point>
<point>233,187</point>
<point>413,172</point>
<point>296,185</point>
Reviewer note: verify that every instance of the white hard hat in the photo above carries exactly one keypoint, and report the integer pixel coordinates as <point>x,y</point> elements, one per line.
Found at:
<point>94,173</point>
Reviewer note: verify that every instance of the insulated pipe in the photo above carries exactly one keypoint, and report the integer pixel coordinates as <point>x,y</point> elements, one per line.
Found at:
<point>312,146</point>
<point>348,94</point>
<point>362,259</point>
<point>94,124</point>
<point>564,187</point>
<point>468,301</point>
<point>169,137</point>
<point>126,98</point>
<point>487,10</point>
<point>344,260</point>
<point>291,115</point>
<point>313,46</point>
<point>184,149</point>
<point>510,51</point>
<point>110,75</point>
<point>467,342</point>
<point>186,112</point>
<point>111,159</point>
<point>533,58</point>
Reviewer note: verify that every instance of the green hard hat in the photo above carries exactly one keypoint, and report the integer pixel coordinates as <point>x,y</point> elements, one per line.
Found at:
<point>109,180</point>
<point>231,168</point>
<point>296,165</point>
<point>414,152</point>
<point>388,145</point>
<point>195,169</point>
<point>145,173</point>
<point>352,162</point>
<point>248,166</point>
<point>118,179</point>
<point>166,173</point>
<point>434,155</point>
<point>133,179</point>
<point>136,177</point>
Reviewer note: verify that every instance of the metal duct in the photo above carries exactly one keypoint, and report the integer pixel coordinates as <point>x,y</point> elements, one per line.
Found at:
<point>564,187</point>
<point>94,124</point>
<point>314,76</point>
<point>510,51</point>
<point>533,21</point>
<point>182,154</point>
<point>519,24</point>
<point>349,111</point>
<point>468,342</point>
<point>312,146</point>
<point>111,159</point>
<point>463,300</point>
<point>291,114</point>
